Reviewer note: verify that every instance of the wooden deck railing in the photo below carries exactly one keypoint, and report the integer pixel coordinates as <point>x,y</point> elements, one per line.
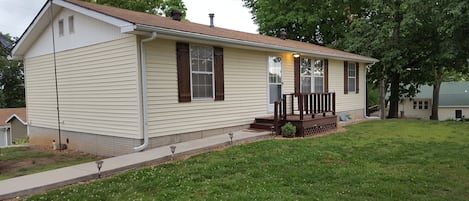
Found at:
<point>305,104</point>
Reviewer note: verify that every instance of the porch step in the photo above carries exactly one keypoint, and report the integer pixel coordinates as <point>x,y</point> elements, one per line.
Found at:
<point>263,126</point>
<point>263,123</point>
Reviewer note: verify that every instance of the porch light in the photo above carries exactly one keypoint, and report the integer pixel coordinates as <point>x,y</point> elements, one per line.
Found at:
<point>173,149</point>
<point>231,137</point>
<point>99,164</point>
<point>296,55</point>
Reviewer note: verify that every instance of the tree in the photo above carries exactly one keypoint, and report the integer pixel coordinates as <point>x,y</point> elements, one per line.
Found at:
<point>156,7</point>
<point>319,22</point>
<point>417,42</point>
<point>444,26</point>
<point>11,78</point>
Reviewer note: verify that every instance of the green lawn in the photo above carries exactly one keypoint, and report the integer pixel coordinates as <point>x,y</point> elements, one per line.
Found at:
<point>376,160</point>
<point>18,161</point>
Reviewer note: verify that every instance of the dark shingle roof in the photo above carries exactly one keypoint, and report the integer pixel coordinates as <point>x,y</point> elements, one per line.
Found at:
<point>451,93</point>
<point>190,27</point>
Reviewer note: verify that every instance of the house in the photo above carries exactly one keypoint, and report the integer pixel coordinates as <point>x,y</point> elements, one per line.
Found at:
<point>128,80</point>
<point>454,102</point>
<point>13,125</point>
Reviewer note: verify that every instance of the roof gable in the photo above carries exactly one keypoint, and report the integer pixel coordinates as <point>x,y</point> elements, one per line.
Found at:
<point>6,114</point>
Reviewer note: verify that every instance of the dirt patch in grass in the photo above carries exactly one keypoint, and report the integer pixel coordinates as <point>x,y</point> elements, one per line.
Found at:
<point>19,161</point>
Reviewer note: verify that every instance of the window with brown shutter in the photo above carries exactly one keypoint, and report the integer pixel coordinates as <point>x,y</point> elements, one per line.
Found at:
<point>326,76</point>
<point>345,77</point>
<point>219,74</point>
<point>198,77</point>
<point>357,79</point>
<point>183,72</point>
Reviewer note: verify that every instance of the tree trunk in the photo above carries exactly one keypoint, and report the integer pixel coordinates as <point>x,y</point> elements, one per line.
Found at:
<point>382,98</point>
<point>436,93</point>
<point>395,77</point>
<point>394,98</point>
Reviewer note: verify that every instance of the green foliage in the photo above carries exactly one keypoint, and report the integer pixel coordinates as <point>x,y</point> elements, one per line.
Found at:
<point>373,95</point>
<point>12,93</point>
<point>156,7</point>
<point>421,160</point>
<point>22,141</point>
<point>288,130</point>
<point>417,42</point>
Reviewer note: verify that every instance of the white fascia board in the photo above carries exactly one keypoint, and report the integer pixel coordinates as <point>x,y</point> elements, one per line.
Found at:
<point>247,43</point>
<point>453,106</point>
<point>93,14</point>
<point>17,117</point>
<point>25,36</point>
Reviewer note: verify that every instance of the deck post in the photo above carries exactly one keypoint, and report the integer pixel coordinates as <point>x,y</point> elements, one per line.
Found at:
<point>276,105</point>
<point>292,104</point>
<point>300,105</point>
<point>333,103</point>
<point>284,107</point>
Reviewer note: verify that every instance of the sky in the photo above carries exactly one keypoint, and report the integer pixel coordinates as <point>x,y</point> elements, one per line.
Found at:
<point>16,15</point>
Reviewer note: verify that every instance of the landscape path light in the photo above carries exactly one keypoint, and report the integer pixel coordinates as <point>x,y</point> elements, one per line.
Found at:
<point>99,165</point>
<point>231,137</point>
<point>173,149</point>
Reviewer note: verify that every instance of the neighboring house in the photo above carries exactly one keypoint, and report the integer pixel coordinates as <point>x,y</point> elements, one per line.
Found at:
<point>13,125</point>
<point>4,42</point>
<point>130,80</point>
<point>454,102</point>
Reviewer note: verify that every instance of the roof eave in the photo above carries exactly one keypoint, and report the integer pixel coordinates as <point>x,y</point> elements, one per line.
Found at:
<point>147,28</point>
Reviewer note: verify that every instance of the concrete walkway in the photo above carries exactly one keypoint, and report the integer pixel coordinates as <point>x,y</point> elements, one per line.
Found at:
<point>44,181</point>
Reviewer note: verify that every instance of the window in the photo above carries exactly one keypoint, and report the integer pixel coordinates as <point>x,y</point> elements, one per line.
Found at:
<point>351,76</point>
<point>61,27</point>
<point>71,26</point>
<point>202,72</point>
<point>275,79</point>
<point>312,75</point>
<point>420,104</point>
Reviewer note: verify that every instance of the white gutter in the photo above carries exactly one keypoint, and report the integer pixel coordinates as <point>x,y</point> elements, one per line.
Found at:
<point>246,43</point>
<point>144,92</point>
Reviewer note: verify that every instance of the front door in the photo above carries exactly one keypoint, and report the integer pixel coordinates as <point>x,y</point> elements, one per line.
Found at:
<point>275,81</point>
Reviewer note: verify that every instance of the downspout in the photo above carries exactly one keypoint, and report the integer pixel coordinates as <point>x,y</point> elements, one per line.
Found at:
<point>144,92</point>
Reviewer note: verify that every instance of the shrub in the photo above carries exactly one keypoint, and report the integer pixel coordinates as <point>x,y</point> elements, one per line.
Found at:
<point>288,130</point>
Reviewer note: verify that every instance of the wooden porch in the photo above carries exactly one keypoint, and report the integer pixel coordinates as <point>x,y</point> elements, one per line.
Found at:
<point>311,113</point>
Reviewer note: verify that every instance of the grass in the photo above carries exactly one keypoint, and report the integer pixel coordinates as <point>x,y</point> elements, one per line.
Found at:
<point>19,161</point>
<point>378,160</point>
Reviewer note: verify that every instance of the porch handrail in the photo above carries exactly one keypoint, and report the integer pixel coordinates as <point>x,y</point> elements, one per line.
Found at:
<point>306,104</point>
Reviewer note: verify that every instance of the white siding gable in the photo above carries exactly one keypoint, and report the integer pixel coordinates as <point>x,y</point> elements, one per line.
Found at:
<point>87,31</point>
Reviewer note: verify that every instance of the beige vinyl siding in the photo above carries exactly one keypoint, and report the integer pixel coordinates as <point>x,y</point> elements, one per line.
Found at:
<point>98,89</point>
<point>352,100</point>
<point>449,113</point>
<point>245,92</point>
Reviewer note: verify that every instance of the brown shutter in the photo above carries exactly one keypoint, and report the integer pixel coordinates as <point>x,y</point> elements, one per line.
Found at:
<point>296,69</point>
<point>357,79</point>
<point>219,74</point>
<point>184,72</point>
<point>326,76</point>
<point>345,77</point>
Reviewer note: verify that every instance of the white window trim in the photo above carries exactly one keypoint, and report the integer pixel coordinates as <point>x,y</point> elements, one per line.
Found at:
<point>61,27</point>
<point>312,76</point>
<point>71,24</point>
<point>203,72</point>
<point>354,77</point>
